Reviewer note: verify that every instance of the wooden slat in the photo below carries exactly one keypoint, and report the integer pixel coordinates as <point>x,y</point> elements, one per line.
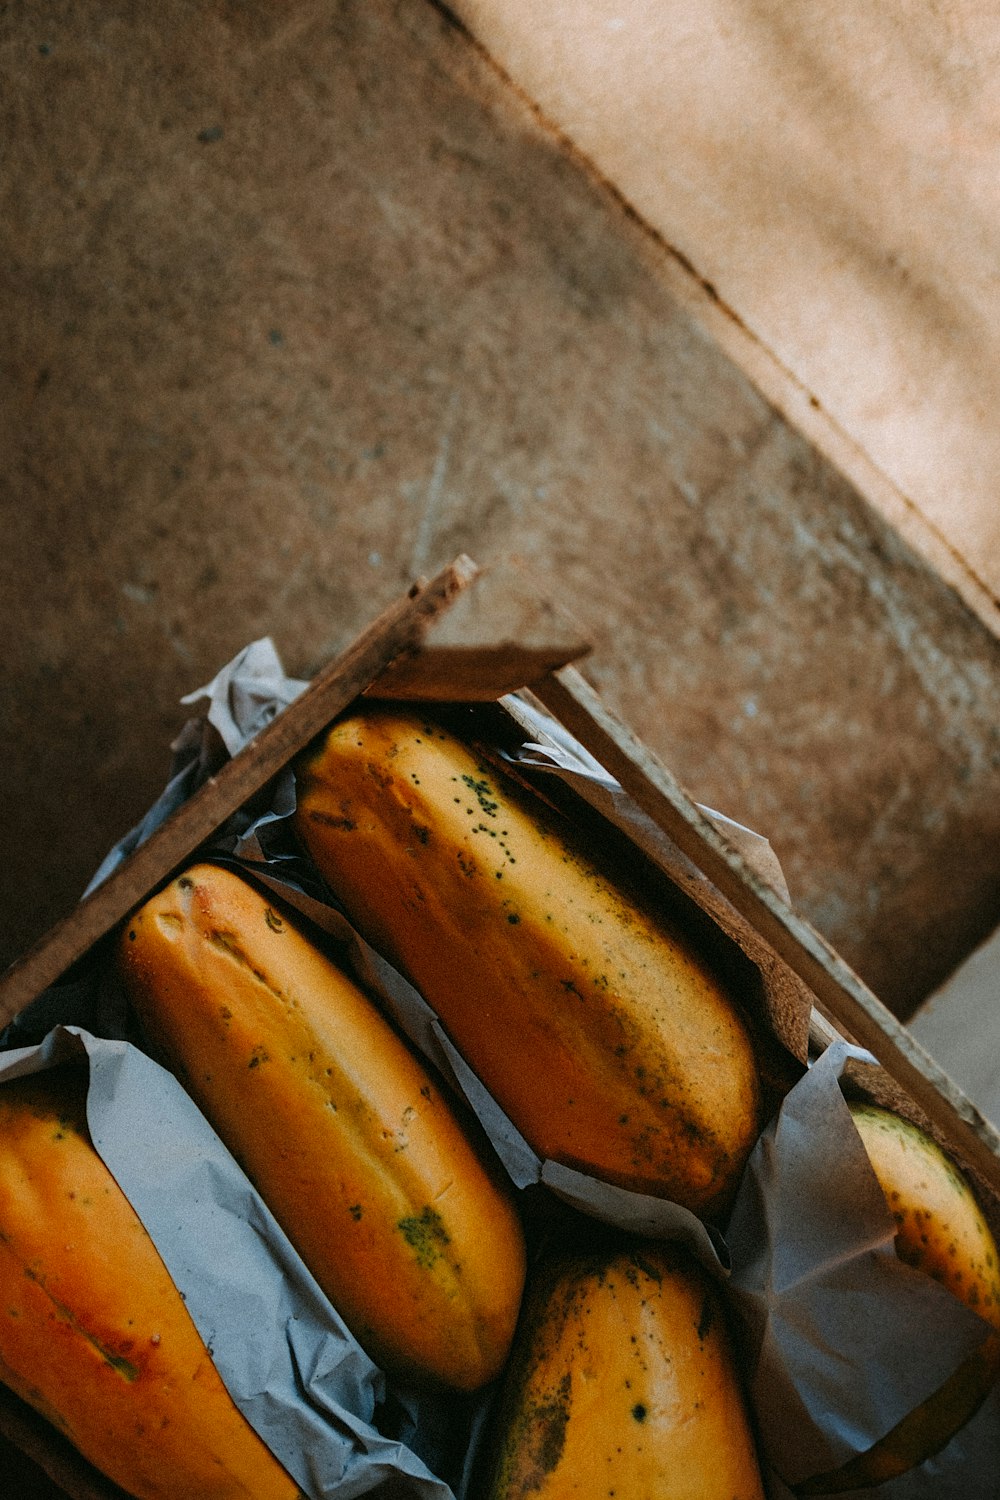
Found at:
<point>837,988</point>
<point>397,632</point>
<point>471,674</point>
<point>500,636</point>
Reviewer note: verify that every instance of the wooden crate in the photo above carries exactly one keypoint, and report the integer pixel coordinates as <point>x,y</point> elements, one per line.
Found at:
<point>440,643</point>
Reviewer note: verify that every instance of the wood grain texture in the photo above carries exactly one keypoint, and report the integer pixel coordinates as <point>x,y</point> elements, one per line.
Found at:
<point>397,632</point>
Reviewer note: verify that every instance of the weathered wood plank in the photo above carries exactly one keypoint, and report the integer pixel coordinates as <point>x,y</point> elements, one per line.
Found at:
<point>396,632</point>
<point>502,635</point>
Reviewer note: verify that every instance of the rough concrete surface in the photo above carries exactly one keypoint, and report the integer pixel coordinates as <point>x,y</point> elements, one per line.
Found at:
<point>299,304</point>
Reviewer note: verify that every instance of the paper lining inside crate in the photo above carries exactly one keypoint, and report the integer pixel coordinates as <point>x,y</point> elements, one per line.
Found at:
<point>842,1338</point>
<point>792,993</point>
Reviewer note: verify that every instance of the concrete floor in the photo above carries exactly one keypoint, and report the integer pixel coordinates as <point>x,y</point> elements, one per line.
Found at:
<point>958,1025</point>
<point>302,303</point>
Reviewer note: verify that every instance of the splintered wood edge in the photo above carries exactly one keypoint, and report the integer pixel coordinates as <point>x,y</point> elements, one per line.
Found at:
<point>840,993</point>
<point>499,637</point>
<point>472,674</point>
<point>396,633</point>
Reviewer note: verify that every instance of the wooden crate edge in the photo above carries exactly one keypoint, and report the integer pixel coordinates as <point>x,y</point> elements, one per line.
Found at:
<point>843,998</point>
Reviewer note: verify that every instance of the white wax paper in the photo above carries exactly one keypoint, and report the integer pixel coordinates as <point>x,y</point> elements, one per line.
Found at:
<point>843,1338</point>
<point>241,698</point>
<point>554,749</point>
